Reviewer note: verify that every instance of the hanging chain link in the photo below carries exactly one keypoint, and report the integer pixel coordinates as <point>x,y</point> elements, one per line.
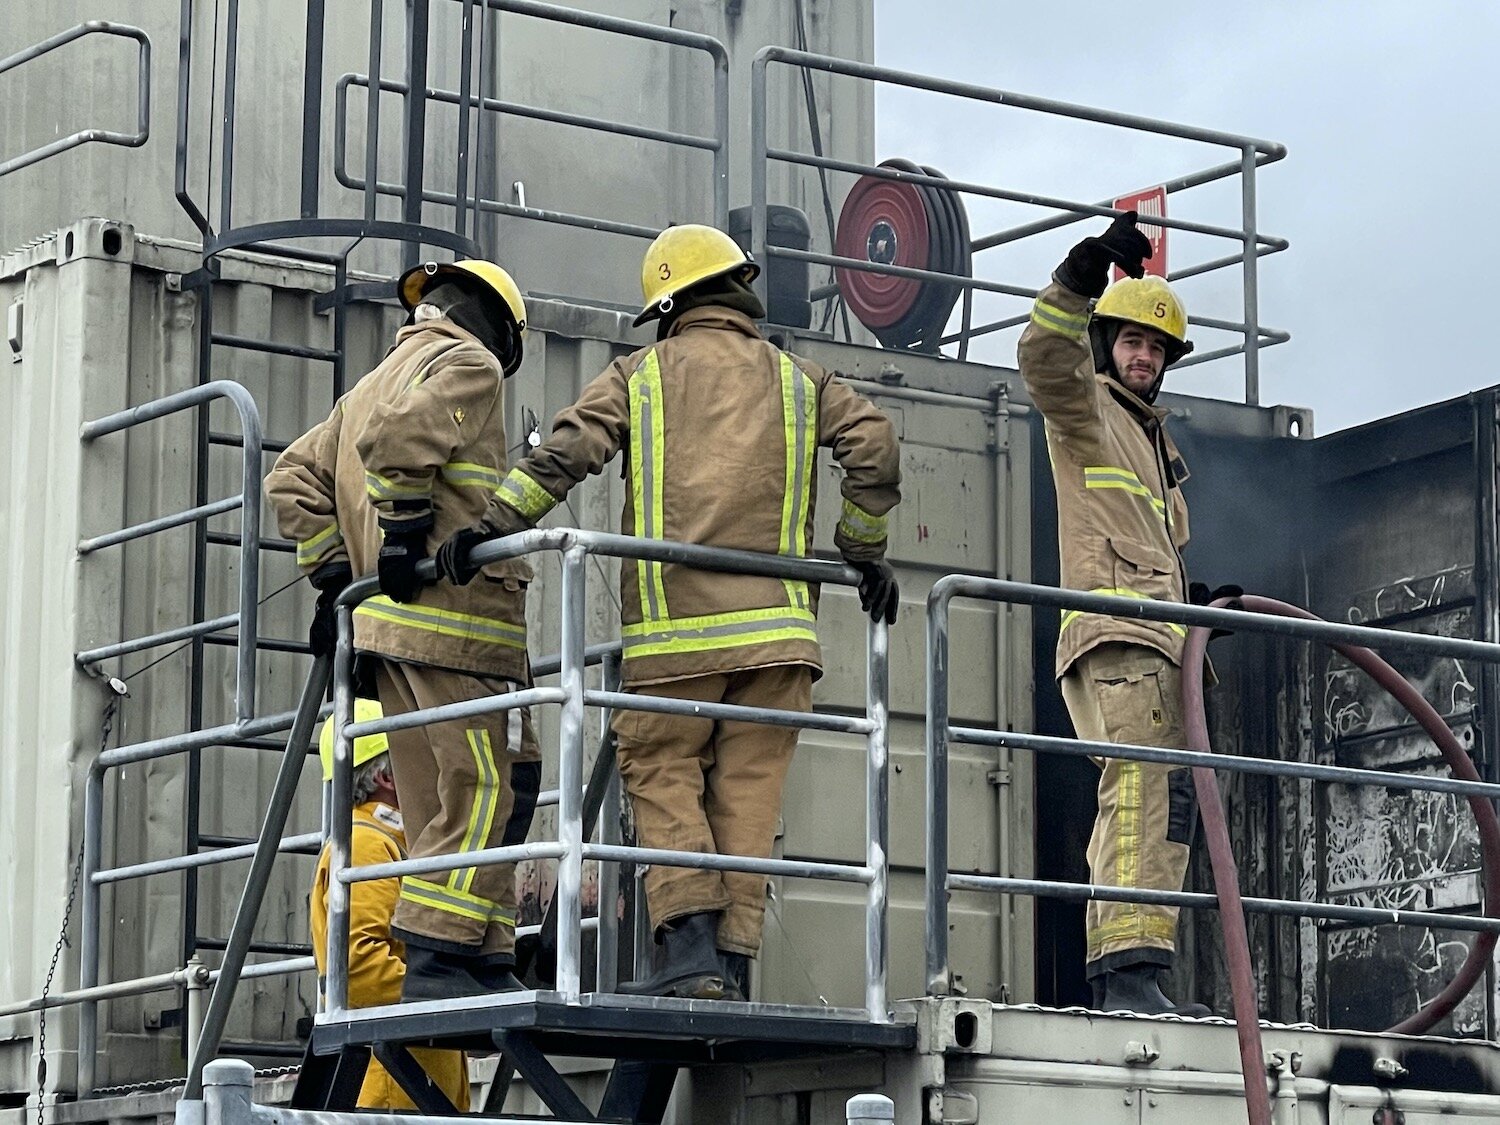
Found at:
<point>117,691</point>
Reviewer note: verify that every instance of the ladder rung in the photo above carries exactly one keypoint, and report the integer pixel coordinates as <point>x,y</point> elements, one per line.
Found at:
<point>215,437</point>
<point>278,947</point>
<point>232,539</point>
<point>274,347</point>
<point>262,644</point>
<point>241,841</point>
<point>240,1048</point>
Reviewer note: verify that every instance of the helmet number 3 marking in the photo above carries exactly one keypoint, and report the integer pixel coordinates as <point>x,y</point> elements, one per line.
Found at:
<point>664,271</point>
<point>1161,309</point>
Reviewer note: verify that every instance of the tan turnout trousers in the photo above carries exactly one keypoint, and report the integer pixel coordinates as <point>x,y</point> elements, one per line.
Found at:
<point>697,785</point>
<point>1130,693</point>
<point>464,785</point>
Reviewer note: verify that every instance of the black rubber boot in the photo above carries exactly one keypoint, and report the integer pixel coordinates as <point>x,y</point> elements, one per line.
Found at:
<point>436,975</point>
<point>736,970</point>
<point>1135,988</point>
<point>687,965</point>
<point>497,972</point>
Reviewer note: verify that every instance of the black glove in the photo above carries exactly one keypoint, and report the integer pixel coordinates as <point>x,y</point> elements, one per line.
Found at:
<point>879,596</point>
<point>402,550</point>
<point>329,580</point>
<point>1200,594</point>
<point>453,556</point>
<point>1086,268</point>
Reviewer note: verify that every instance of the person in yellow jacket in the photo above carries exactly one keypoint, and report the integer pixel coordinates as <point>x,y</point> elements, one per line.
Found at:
<point>1122,524</point>
<point>721,431</point>
<point>411,454</point>
<point>377,960</point>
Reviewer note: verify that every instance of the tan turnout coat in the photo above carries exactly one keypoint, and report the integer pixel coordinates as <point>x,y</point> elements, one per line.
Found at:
<point>722,430</point>
<point>422,433</point>
<point>1121,517</point>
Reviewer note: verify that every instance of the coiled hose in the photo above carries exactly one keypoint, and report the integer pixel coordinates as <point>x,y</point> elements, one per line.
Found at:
<point>1226,874</point>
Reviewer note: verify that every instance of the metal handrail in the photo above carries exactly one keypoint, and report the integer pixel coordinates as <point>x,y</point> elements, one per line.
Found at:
<point>717,144</point>
<point>85,136</point>
<point>941,733</point>
<point>1253,152</point>
<point>248,501</point>
<point>570,849</point>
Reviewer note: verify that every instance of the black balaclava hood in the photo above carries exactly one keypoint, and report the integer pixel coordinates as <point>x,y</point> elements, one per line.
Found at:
<point>727,291</point>
<point>1103,331</point>
<point>478,311</point>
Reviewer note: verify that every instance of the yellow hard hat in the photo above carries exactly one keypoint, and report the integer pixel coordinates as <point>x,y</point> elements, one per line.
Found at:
<point>417,280</point>
<point>366,749</point>
<point>1149,302</point>
<point>681,257</point>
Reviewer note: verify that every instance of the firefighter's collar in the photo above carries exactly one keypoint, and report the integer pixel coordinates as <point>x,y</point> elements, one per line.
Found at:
<point>1132,401</point>
<point>388,816</point>
<point>715,316</point>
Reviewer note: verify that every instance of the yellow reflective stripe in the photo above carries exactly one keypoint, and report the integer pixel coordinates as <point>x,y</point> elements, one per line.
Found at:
<point>799,423</point>
<point>1128,823</point>
<point>1073,615</point>
<point>324,542</point>
<point>860,525</point>
<point>482,813</point>
<point>646,471</point>
<point>380,488</point>
<point>445,622</point>
<point>464,473</point>
<point>719,631</point>
<point>465,905</point>
<point>1135,925</point>
<point>1059,320</point>
<point>1110,476</point>
<point>525,495</point>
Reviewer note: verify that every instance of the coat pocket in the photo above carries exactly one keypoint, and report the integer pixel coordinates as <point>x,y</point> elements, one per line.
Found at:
<point>513,574</point>
<point>1141,569</point>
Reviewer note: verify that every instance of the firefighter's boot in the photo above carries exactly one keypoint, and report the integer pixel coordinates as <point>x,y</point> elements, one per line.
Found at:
<point>497,972</point>
<point>736,970</point>
<point>1135,988</point>
<point>687,964</point>
<point>433,974</point>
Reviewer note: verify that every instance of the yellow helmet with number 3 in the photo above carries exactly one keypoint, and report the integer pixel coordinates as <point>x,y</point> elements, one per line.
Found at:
<point>1149,302</point>
<point>681,257</point>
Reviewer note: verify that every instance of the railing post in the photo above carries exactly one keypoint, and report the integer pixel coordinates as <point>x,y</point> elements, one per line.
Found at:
<point>1251,280</point>
<point>936,746</point>
<point>249,608</point>
<point>869,1109</point>
<point>721,134</point>
<point>570,775</point>
<point>228,1092</point>
<point>341,826</point>
<point>758,173</point>
<point>877,817</point>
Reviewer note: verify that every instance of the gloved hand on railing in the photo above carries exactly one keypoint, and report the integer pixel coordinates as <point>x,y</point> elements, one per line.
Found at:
<point>329,580</point>
<point>400,552</point>
<point>879,595</point>
<point>1086,268</point>
<point>453,562</point>
<point>1200,594</point>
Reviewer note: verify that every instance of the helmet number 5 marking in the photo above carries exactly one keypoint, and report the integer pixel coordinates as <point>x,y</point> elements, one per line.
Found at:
<point>1161,309</point>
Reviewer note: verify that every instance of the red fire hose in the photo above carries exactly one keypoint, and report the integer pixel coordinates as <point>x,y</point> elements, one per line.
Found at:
<point>1226,875</point>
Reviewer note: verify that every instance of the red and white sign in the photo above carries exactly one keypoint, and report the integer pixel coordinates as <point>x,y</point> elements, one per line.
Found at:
<point>1152,202</point>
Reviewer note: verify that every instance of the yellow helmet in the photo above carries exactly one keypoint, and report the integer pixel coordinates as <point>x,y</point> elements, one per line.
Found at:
<point>417,280</point>
<point>366,749</point>
<point>681,257</point>
<point>1149,302</point>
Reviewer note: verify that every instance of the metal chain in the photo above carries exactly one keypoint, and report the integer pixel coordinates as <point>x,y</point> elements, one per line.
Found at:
<point>117,691</point>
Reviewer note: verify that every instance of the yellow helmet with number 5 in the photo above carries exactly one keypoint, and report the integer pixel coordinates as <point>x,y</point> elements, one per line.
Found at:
<point>681,257</point>
<point>1149,302</point>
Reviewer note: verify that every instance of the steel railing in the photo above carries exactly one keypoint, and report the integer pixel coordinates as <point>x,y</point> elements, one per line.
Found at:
<point>941,734</point>
<point>466,100</point>
<point>1252,153</point>
<point>85,136</point>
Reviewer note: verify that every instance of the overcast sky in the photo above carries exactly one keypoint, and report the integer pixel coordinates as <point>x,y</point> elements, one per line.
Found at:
<point>1389,113</point>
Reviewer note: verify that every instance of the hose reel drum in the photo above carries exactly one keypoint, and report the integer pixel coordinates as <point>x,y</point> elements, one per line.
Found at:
<point>917,226</point>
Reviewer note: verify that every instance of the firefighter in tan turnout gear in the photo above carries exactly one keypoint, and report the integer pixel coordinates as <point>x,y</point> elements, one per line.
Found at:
<point>721,430</point>
<point>1122,524</point>
<point>410,455</point>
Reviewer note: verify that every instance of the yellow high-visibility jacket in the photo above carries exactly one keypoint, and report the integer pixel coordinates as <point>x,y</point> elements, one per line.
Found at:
<point>1121,518</point>
<point>377,961</point>
<point>422,436</point>
<point>722,430</point>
